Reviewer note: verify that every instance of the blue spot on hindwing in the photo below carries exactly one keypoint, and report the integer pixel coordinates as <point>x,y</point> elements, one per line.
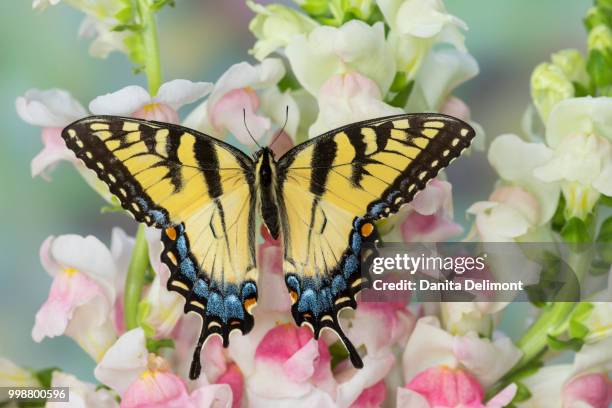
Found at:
<point>233,307</point>
<point>308,302</point>
<point>377,209</point>
<point>181,245</point>
<point>249,289</point>
<point>188,269</point>
<point>338,285</point>
<point>201,288</point>
<point>215,306</point>
<point>356,242</point>
<point>158,217</point>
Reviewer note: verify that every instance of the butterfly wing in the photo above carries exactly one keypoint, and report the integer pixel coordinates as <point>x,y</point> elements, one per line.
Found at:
<point>332,188</point>
<point>200,192</point>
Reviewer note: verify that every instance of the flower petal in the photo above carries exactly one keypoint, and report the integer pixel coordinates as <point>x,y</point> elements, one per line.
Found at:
<point>55,150</point>
<point>353,47</point>
<point>124,361</point>
<point>82,394</point>
<point>49,108</point>
<point>349,98</point>
<point>179,92</point>
<point>122,102</point>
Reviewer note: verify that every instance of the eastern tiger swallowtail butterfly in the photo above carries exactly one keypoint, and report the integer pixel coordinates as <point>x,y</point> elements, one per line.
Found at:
<point>322,197</point>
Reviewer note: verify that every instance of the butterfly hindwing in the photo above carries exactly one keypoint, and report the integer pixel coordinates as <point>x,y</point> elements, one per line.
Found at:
<point>332,189</point>
<point>200,192</point>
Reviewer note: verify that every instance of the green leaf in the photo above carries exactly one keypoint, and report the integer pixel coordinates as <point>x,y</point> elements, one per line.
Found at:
<point>144,308</point>
<point>399,82</point>
<point>125,15</point>
<point>400,98</point>
<point>338,353</point>
<point>558,219</point>
<point>288,82</point>
<point>605,231</point>
<point>154,345</point>
<point>580,90</point>
<point>604,238</point>
<point>604,4</point>
<point>575,231</point>
<point>315,8</point>
<point>159,4</point>
<point>596,16</point>
<point>377,16</point>
<point>599,267</point>
<point>44,376</point>
<point>605,200</point>
<point>599,67</point>
<point>128,27</point>
<point>522,393</point>
<point>555,343</point>
<point>136,52</point>
<point>149,275</point>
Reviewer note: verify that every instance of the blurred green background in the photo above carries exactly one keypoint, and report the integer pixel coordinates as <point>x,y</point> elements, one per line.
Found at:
<point>199,40</point>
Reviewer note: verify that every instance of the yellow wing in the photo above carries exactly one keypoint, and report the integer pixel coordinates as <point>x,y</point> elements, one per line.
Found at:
<point>200,192</point>
<point>332,189</point>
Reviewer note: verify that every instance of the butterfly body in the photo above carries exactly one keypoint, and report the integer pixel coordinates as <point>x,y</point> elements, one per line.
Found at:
<point>322,199</point>
<point>266,172</point>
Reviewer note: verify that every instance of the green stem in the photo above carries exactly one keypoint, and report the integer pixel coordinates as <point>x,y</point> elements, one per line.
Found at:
<point>150,45</point>
<point>139,261</point>
<point>135,279</point>
<point>553,320</point>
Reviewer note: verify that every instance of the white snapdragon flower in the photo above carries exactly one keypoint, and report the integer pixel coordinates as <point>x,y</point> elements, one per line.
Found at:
<point>99,23</point>
<point>82,394</point>
<point>579,130</point>
<point>124,361</point>
<point>104,39</point>
<point>275,25</point>
<point>11,375</point>
<point>329,51</point>
<point>415,26</point>
<point>136,101</point>
<point>521,203</point>
<point>440,73</point>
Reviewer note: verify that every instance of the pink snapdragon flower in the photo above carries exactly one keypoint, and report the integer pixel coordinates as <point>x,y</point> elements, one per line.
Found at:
<point>158,387</point>
<point>347,98</point>
<point>82,294</point>
<point>444,387</point>
<point>246,93</point>
<point>430,215</point>
<point>136,101</point>
<point>51,110</point>
<point>592,390</point>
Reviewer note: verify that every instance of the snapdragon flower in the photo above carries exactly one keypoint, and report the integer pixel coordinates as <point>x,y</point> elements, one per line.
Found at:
<point>579,130</point>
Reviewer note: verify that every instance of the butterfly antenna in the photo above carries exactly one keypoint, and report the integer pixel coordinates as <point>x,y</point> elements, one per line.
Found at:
<point>282,129</point>
<point>247,128</point>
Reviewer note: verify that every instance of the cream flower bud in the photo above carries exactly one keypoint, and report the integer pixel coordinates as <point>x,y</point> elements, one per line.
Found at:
<point>571,63</point>
<point>549,85</point>
<point>600,38</point>
<point>274,26</point>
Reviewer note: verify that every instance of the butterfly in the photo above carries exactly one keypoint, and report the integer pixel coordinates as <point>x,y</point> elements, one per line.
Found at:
<point>322,198</point>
